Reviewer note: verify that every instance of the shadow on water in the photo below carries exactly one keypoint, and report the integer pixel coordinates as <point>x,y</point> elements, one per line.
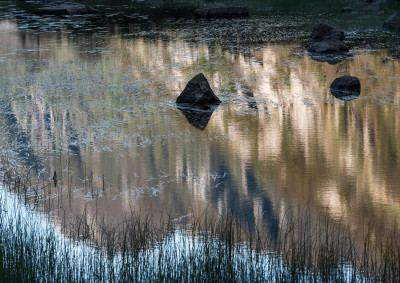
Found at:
<point>198,116</point>
<point>18,140</point>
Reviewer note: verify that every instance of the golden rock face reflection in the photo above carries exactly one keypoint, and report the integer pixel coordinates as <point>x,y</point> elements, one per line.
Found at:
<point>99,110</point>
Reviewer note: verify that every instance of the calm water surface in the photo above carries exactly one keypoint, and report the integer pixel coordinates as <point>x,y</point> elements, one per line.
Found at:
<point>95,103</point>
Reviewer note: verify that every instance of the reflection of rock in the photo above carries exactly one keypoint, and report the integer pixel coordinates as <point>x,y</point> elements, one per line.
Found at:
<point>198,92</point>
<point>198,116</point>
<point>346,88</point>
<point>393,22</point>
<point>327,44</point>
<point>328,58</point>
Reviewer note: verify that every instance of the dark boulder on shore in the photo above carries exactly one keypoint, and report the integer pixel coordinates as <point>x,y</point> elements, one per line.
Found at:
<point>375,5</point>
<point>393,22</point>
<point>324,31</point>
<point>327,40</point>
<point>198,92</point>
<point>329,46</point>
<point>57,8</point>
<point>346,10</point>
<point>346,88</point>
<point>221,12</point>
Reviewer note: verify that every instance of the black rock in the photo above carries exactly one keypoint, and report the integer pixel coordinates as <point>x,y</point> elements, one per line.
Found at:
<point>55,7</point>
<point>327,39</point>
<point>198,92</point>
<point>329,46</point>
<point>375,5</point>
<point>323,31</point>
<point>346,10</point>
<point>393,22</point>
<point>346,88</point>
<point>221,12</point>
<point>198,116</point>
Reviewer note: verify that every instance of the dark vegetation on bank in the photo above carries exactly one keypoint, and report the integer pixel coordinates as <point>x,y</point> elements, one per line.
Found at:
<point>274,20</point>
<point>198,247</point>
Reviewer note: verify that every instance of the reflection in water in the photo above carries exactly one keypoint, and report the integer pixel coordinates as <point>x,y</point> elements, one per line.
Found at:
<point>332,59</point>
<point>345,96</point>
<point>17,138</point>
<point>198,116</point>
<point>250,96</point>
<point>98,108</point>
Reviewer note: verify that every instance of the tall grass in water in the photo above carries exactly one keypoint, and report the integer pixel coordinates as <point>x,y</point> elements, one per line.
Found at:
<point>201,247</point>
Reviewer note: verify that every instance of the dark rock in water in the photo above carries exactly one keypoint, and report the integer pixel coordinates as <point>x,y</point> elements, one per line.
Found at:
<point>346,88</point>
<point>198,92</point>
<point>375,5</point>
<point>198,116</point>
<point>393,22</point>
<point>329,46</point>
<point>221,12</point>
<point>323,31</point>
<point>346,10</point>
<point>327,39</point>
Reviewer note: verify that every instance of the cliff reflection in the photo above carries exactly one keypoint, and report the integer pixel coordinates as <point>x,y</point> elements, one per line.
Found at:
<point>279,140</point>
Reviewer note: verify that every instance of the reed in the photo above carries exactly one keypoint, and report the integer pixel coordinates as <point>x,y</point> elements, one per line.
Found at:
<point>198,247</point>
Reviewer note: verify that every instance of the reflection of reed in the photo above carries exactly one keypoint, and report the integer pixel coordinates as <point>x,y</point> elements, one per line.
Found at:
<point>205,246</point>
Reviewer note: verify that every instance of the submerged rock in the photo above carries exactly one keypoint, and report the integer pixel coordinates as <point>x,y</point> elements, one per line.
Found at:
<point>221,12</point>
<point>198,92</point>
<point>393,22</point>
<point>198,116</point>
<point>346,88</point>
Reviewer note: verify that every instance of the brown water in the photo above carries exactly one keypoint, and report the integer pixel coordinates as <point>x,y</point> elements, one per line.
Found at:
<point>97,106</point>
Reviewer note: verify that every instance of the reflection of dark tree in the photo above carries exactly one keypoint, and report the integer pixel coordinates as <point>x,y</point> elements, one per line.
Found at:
<point>18,140</point>
<point>73,140</point>
<point>242,206</point>
<point>249,95</point>
<point>73,144</point>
